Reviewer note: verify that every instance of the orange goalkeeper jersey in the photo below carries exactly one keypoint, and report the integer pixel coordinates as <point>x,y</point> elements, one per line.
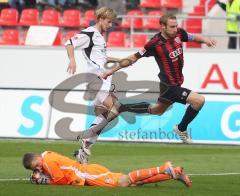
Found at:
<point>64,170</point>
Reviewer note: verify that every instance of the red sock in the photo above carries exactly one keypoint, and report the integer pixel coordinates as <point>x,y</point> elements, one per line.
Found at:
<point>156,178</point>
<point>143,174</point>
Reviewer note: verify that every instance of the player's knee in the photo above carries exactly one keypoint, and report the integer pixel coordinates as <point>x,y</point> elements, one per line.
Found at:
<point>124,181</point>
<point>156,110</point>
<point>199,102</point>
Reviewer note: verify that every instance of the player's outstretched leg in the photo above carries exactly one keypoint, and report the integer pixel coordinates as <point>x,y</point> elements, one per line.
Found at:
<point>182,177</point>
<point>141,175</point>
<point>196,102</point>
<point>139,108</point>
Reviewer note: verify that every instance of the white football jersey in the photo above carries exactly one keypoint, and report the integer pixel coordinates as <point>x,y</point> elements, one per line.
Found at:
<point>93,46</point>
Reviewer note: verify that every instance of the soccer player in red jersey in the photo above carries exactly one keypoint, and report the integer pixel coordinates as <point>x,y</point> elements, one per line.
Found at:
<point>167,49</point>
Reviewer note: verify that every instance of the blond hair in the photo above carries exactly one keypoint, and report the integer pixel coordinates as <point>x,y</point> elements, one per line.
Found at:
<point>106,12</point>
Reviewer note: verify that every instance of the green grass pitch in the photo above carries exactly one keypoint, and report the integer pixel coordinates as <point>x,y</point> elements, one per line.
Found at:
<point>124,157</point>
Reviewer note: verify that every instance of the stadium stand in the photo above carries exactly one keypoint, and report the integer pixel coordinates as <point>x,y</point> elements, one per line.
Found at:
<point>9,17</point>
<point>137,22</point>
<point>172,4</point>
<point>139,40</point>
<point>71,18</point>
<point>51,17</point>
<point>116,39</point>
<point>77,20</point>
<point>88,17</point>
<point>153,23</point>
<point>10,37</point>
<point>150,4</point>
<point>29,17</point>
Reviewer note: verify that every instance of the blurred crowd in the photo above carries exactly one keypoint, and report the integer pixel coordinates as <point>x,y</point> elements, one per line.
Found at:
<point>119,5</point>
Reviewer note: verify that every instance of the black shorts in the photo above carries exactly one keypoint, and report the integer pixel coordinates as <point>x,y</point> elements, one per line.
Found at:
<point>171,94</point>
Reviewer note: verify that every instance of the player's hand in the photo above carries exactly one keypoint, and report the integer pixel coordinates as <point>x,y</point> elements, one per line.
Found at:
<point>106,74</point>
<point>211,43</point>
<point>71,66</point>
<point>38,177</point>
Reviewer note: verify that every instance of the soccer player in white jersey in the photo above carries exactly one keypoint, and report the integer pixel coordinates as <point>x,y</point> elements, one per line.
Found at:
<point>93,46</point>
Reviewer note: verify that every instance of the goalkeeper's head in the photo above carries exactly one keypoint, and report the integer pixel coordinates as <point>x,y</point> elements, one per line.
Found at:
<point>32,161</point>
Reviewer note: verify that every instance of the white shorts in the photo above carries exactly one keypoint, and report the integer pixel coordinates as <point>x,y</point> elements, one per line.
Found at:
<point>98,90</point>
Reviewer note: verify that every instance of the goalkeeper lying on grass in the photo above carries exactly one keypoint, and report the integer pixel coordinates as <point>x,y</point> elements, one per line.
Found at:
<point>53,168</point>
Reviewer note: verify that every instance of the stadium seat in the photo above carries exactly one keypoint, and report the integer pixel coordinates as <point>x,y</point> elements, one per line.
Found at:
<point>29,17</point>
<point>89,16</point>
<point>10,37</point>
<point>153,23</point>
<point>50,17</point>
<point>137,22</point>
<point>172,4</point>
<point>71,18</point>
<point>58,39</point>
<point>150,4</point>
<point>194,23</point>
<point>199,10</point>
<point>139,40</point>
<point>116,39</point>
<point>9,17</point>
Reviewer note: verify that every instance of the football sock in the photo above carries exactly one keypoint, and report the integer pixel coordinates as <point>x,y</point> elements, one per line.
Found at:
<point>140,108</point>
<point>142,174</point>
<point>95,129</point>
<point>157,178</point>
<point>189,115</point>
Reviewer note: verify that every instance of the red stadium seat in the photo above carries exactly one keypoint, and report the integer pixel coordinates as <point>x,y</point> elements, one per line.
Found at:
<point>88,17</point>
<point>9,17</point>
<point>172,4</point>
<point>10,37</point>
<point>139,40</point>
<point>153,23</point>
<point>199,10</point>
<point>150,3</point>
<point>71,18</point>
<point>137,22</point>
<point>210,5</point>
<point>50,17</point>
<point>29,17</point>
<point>116,39</point>
<point>194,23</point>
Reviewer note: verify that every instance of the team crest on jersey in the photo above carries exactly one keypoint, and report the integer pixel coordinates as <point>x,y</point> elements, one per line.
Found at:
<point>177,39</point>
<point>184,94</point>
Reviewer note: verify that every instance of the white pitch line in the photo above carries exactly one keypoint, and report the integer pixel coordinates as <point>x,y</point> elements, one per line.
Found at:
<point>216,174</point>
<point>219,174</point>
<point>13,179</point>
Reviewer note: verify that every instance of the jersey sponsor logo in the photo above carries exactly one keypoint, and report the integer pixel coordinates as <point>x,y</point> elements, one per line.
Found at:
<point>175,53</point>
<point>142,51</point>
